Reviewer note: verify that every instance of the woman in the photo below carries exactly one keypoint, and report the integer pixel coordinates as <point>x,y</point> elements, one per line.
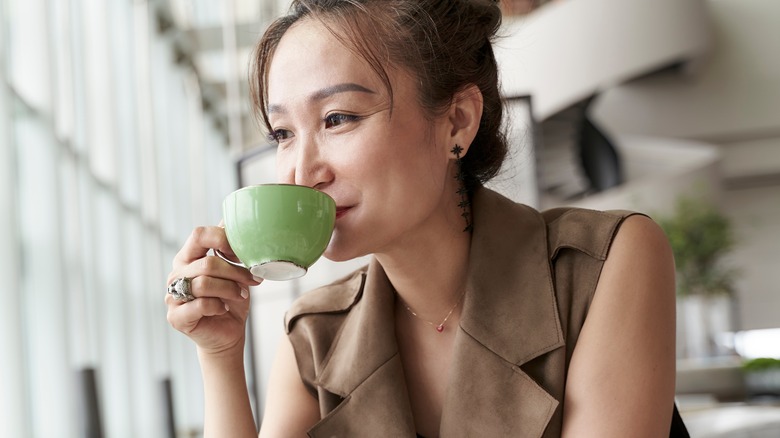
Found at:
<point>470,319</point>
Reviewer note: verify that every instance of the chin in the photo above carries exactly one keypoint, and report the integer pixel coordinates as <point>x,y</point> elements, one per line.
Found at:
<point>340,251</point>
<point>338,256</point>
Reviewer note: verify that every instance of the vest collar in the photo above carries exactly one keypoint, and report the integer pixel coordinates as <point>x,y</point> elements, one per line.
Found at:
<point>509,317</point>
<point>510,307</point>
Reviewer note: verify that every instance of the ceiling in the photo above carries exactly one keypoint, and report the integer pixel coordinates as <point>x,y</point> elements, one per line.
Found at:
<point>216,37</point>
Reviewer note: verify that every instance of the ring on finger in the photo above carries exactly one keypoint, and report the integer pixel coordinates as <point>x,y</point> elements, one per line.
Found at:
<point>181,289</point>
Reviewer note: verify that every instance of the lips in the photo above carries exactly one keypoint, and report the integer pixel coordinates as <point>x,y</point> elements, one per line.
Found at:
<point>341,211</point>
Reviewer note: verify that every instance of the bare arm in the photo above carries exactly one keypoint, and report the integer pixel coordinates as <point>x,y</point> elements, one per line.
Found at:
<point>290,410</point>
<point>621,377</point>
<point>216,321</point>
<point>228,412</point>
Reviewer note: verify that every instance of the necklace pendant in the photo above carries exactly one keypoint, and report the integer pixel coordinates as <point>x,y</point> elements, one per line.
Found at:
<point>440,328</point>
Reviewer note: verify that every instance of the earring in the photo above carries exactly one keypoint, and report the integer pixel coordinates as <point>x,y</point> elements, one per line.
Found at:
<point>464,203</point>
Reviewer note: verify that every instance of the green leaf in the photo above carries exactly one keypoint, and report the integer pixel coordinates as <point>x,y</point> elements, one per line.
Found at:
<point>700,236</point>
<point>760,364</point>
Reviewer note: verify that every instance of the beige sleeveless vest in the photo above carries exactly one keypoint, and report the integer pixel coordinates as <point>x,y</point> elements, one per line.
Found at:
<point>531,279</point>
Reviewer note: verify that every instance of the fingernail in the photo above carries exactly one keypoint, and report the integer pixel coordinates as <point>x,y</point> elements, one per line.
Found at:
<point>257,279</point>
<point>227,308</point>
<point>244,293</point>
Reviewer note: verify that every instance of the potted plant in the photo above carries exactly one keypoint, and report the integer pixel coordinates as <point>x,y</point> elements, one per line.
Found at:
<point>700,237</point>
<point>762,376</point>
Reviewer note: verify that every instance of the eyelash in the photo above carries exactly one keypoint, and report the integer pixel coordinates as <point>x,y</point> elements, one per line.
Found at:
<point>340,118</point>
<point>278,135</point>
<point>331,120</point>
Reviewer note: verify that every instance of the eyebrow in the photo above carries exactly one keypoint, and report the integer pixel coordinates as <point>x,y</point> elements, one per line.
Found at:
<point>327,92</point>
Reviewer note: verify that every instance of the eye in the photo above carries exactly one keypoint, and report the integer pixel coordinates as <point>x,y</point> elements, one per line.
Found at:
<point>278,135</point>
<point>337,119</point>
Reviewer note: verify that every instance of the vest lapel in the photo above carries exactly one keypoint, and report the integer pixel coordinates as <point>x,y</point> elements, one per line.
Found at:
<point>509,317</point>
<point>364,368</point>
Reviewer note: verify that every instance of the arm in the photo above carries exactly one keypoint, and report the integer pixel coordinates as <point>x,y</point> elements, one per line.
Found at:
<point>227,411</point>
<point>290,410</point>
<point>621,377</point>
<point>216,321</point>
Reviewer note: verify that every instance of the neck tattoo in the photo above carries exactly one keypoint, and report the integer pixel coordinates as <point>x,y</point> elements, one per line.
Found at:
<point>440,326</point>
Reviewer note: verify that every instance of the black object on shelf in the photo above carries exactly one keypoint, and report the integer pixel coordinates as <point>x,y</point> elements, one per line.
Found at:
<point>89,403</point>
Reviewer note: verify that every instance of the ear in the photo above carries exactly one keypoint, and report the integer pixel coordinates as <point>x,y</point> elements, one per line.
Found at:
<point>463,118</point>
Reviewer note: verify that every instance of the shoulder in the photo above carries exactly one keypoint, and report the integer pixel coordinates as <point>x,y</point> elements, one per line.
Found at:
<point>588,231</point>
<point>640,245</point>
<point>335,298</point>
<point>639,252</point>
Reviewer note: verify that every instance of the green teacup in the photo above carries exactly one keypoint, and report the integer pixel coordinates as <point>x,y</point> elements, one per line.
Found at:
<point>278,230</point>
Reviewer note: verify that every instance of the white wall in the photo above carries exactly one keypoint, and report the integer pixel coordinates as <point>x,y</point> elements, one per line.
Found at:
<point>733,93</point>
<point>731,99</point>
<point>756,215</point>
<point>566,51</point>
<point>658,171</point>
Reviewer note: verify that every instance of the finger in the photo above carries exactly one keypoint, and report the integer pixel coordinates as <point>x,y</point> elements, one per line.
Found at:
<point>212,266</point>
<point>186,316</point>
<point>238,305</point>
<point>171,300</point>
<point>205,286</point>
<point>200,241</point>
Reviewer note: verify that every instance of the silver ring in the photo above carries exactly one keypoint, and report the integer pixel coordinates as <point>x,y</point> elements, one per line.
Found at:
<point>181,290</point>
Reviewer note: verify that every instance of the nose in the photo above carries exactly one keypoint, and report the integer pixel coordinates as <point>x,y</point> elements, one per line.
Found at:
<point>304,164</point>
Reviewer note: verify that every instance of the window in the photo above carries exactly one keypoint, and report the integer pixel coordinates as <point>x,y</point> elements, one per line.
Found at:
<point>107,160</point>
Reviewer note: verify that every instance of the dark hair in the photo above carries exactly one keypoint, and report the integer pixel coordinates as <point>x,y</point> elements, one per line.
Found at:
<point>446,44</point>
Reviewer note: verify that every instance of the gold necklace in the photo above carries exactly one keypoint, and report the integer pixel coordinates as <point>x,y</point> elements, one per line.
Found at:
<point>439,327</point>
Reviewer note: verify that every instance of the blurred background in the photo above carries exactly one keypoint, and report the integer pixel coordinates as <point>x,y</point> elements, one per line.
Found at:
<point>124,123</point>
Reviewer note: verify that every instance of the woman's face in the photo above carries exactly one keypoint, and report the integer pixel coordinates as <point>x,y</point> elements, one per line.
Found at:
<point>386,170</point>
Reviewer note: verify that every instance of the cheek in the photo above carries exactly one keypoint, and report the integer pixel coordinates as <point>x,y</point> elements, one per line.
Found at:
<point>285,167</point>
<point>359,161</point>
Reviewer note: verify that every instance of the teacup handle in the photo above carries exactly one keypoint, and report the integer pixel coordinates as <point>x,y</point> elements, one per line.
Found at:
<point>219,254</point>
